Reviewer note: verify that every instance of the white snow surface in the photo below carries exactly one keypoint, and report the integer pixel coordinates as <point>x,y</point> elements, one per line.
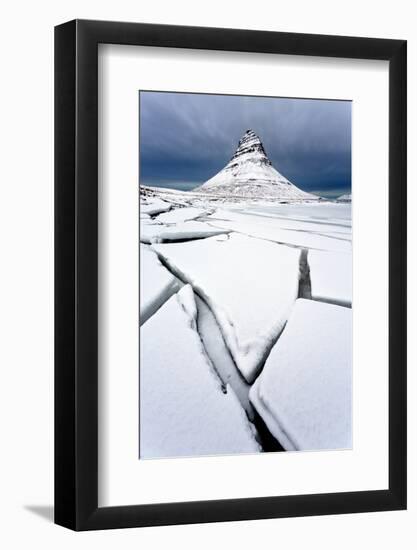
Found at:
<point>157,233</point>
<point>157,284</point>
<point>308,235</point>
<point>250,173</point>
<point>242,256</point>
<point>345,198</point>
<point>176,215</point>
<point>154,206</point>
<point>183,411</point>
<point>304,391</point>
<point>337,228</point>
<point>249,284</point>
<point>331,276</point>
<point>272,232</point>
<point>322,211</point>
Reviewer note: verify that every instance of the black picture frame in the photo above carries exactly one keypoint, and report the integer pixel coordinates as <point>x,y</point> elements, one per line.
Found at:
<point>76,272</point>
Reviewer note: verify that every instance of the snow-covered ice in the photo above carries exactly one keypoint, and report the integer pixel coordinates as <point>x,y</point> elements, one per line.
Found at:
<point>154,206</point>
<point>331,276</point>
<point>219,355</point>
<point>304,391</point>
<point>294,223</point>
<point>327,211</point>
<point>180,215</point>
<point>251,262</point>
<point>249,284</point>
<point>157,284</point>
<point>156,233</point>
<point>183,410</point>
<point>307,235</point>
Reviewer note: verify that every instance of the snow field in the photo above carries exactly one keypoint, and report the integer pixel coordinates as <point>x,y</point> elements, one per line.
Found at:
<point>251,336</point>
<point>304,391</point>
<point>183,410</point>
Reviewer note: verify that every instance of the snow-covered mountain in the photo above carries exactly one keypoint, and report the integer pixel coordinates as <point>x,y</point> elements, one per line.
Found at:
<point>250,174</point>
<point>345,198</point>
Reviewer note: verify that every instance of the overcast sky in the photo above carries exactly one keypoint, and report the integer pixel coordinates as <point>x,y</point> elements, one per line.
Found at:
<point>185,139</point>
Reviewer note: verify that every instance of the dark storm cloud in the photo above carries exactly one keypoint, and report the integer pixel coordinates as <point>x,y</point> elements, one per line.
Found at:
<point>187,138</point>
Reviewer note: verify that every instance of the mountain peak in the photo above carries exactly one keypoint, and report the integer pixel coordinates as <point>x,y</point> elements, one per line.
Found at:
<point>250,174</point>
<point>249,134</point>
<point>250,147</point>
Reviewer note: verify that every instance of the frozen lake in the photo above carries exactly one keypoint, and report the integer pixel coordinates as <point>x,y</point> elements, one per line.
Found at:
<point>238,304</point>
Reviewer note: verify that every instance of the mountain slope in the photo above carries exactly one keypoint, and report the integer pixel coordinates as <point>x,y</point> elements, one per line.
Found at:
<point>345,198</point>
<point>250,174</point>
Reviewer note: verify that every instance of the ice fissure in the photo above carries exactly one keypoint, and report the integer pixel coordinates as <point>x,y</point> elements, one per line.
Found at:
<point>222,362</point>
<point>304,289</point>
<point>225,367</point>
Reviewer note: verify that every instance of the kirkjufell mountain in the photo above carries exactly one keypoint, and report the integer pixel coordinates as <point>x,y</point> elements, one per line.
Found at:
<point>250,174</point>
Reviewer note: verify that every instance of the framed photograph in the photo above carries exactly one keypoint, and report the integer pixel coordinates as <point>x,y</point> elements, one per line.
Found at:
<point>230,254</point>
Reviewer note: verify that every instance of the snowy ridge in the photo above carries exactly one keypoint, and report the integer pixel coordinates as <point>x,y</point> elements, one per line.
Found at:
<point>345,198</point>
<point>250,173</point>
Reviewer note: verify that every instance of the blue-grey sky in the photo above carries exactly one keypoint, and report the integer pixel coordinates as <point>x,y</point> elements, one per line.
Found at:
<point>185,139</point>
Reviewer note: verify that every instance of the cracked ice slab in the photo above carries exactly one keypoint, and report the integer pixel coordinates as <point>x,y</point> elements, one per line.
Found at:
<point>249,284</point>
<point>274,225</point>
<point>323,211</point>
<point>155,233</point>
<point>181,215</point>
<point>330,276</point>
<point>219,355</point>
<point>183,411</point>
<point>157,284</point>
<point>272,232</point>
<point>341,228</point>
<point>304,391</point>
<point>155,206</point>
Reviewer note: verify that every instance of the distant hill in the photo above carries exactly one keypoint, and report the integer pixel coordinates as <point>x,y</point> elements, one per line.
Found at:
<point>345,198</point>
